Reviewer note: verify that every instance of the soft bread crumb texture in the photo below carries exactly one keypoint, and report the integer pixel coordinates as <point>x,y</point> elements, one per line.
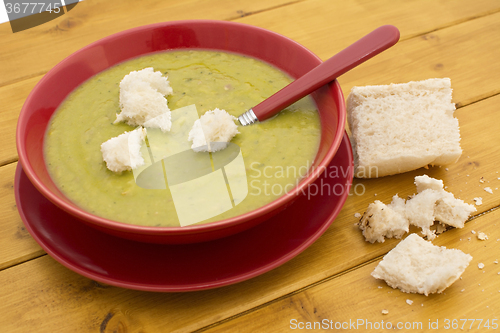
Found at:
<point>123,153</point>
<point>216,127</point>
<point>382,221</point>
<point>142,100</point>
<point>402,127</point>
<point>431,203</point>
<point>418,266</point>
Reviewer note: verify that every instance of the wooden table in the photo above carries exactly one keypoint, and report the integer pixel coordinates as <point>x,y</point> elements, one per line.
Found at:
<point>331,279</point>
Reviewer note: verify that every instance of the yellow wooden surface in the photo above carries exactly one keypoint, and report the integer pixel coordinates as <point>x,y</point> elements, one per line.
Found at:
<point>331,279</point>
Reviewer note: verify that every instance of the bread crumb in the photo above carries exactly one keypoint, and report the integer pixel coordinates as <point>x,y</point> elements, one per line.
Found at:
<point>462,290</point>
<point>481,180</point>
<point>489,190</point>
<point>478,201</point>
<point>473,232</point>
<point>142,100</point>
<point>123,153</point>
<point>217,126</point>
<point>440,229</point>
<point>495,262</point>
<point>382,221</point>
<point>384,312</point>
<point>480,265</point>
<point>446,169</point>
<point>409,301</point>
<point>357,215</point>
<point>431,203</point>
<point>482,236</point>
<point>380,287</point>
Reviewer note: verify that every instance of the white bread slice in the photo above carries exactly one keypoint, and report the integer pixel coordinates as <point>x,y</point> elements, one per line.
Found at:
<point>382,221</point>
<point>142,100</point>
<point>215,126</point>
<point>123,152</point>
<point>401,127</point>
<point>418,266</point>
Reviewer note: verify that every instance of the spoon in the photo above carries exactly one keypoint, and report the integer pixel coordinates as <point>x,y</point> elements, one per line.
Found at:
<point>367,47</point>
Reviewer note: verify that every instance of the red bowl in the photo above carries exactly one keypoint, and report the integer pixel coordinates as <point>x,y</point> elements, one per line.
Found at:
<point>262,44</point>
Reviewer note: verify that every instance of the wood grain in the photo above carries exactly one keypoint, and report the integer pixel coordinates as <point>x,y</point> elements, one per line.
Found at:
<point>89,21</point>
<point>16,244</point>
<point>452,52</point>
<point>466,51</point>
<point>358,297</point>
<point>13,97</point>
<point>342,248</point>
<point>331,278</point>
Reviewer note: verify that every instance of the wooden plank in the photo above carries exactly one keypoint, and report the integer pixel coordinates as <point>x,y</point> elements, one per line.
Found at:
<point>467,52</point>
<point>13,97</point>
<point>356,297</point>
<point>16,244</point>
<point>466,59</point>
<point>327,27</point>
<point>86,304</point>
<point>63,294</point>
<point>33,52</point>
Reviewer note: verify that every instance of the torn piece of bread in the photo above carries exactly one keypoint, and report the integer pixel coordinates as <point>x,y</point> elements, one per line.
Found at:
<point>431,203</point>
<point>123,152</point>
<point>418,266</point>
<point>215,126</point>
<point>452,211</point>
<point>425,182</point>
<point>446,208</point>
<point>420,210</point>
<point>142,100</point>
<point>382,221</point>
<point>401,127</point>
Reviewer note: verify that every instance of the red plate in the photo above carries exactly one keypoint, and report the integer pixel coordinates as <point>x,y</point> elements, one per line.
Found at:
<point>172,268</point>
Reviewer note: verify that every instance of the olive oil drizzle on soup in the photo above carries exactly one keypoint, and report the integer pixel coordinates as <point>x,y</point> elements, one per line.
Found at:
<point>276,152</point>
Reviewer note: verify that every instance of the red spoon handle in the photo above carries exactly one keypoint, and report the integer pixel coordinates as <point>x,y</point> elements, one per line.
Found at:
<point>370,45</point>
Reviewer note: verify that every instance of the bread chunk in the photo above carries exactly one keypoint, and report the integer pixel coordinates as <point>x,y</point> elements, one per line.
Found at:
<point>123,152</point>
<point>425,182</point>
<point>431,203</point>
<point>402,127</point>
<point>420,211</point>
<point>382,221</point>
<point>418,266</point>
<point>215,126</point>
<point>452,211</point>
<point>142,100</point>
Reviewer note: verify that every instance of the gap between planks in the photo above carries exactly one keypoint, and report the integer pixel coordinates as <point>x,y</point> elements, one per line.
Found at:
<point>314,284</point>
<point>246,14</point>
<point>451,24</point>
<point>24,262</point>
<point>458,106</point>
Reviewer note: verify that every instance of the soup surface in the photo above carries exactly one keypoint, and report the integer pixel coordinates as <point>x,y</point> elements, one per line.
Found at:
<point>276,153</point>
